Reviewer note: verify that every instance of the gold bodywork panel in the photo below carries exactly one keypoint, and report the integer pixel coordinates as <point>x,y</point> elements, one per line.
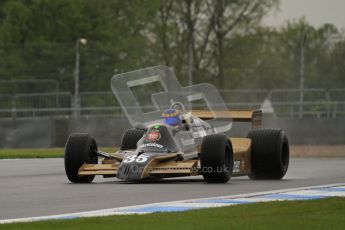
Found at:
<point>253,116</point>
<point>188,167</point>
<point>242,152</point>
<point>98,169</point>
<point>155,162</point>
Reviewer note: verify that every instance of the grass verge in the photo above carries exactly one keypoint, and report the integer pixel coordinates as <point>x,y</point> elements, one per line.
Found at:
<point>38,153</point>
<point>315,214</point>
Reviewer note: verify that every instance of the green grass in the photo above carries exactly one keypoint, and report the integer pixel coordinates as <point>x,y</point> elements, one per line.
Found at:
<point>316,214</point>
<point>37,153</point>
<point>31,153</point>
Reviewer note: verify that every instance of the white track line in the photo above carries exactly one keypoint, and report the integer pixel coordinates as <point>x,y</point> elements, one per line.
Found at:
<point>302,193</point>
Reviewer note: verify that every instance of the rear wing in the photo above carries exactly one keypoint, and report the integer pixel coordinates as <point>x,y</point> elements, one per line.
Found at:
<point>253,116</point>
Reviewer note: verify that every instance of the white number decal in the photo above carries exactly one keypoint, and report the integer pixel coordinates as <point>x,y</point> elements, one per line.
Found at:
<point>129,159</point>
<point>139,159</point>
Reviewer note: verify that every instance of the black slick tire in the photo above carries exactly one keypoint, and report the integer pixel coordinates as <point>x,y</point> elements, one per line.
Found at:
<point>216,158</point>
<point>80,148</point>
<point>130,138</point>
<point>270,154</point>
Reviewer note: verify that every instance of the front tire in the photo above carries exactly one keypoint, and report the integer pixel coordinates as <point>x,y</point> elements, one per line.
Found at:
<point>80,148</point>
<point>216,158</point>
<point>270,154</point>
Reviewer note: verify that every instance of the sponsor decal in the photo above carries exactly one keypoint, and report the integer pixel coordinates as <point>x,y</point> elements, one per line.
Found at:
<point>236,166</point>
<point>151,145</point>
<point>153,136</point>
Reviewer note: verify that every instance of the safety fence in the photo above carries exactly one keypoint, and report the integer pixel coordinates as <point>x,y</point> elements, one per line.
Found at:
<point>318,103</point>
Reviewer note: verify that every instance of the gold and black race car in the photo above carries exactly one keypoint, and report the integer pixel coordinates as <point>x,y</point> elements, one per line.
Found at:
<point>200,146</point>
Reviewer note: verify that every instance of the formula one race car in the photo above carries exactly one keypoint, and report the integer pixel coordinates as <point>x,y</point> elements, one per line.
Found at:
<point>189,139</point>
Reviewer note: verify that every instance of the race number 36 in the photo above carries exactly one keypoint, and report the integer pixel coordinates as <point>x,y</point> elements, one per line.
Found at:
<point>138,159</point>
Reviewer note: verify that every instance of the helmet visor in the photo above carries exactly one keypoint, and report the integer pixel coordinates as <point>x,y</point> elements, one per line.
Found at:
<point>173,121</point>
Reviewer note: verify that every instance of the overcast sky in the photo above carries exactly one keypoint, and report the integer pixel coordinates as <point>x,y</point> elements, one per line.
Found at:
<point>317,12</point>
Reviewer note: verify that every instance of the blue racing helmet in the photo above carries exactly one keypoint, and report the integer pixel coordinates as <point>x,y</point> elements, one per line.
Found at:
<point>172,117</point>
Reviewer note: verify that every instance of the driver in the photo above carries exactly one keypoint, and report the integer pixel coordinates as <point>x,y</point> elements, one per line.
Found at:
<point>172,117</point>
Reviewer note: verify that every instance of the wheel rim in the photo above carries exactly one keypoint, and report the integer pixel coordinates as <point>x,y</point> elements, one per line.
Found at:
<point>285,156</point>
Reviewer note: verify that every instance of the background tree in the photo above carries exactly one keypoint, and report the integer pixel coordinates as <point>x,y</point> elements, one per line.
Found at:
<point>221,42</point>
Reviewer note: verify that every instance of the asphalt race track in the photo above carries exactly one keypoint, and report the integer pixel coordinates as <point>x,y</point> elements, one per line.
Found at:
<point>39,187</point>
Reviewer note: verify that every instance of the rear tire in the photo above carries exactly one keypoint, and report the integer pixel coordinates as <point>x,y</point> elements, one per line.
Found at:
<point>216,158</point>
<point>270,154</point>
<point>131,137</point>
<point>80,148</point>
